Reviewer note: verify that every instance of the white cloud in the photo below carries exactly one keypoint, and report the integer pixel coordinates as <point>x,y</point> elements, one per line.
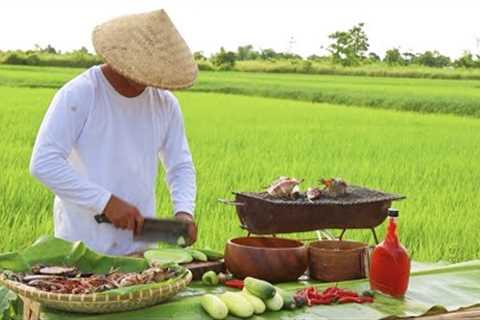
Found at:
<point>447,26</point>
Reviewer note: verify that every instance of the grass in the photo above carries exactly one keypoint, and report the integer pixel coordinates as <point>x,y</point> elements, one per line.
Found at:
<point>378,69</point>
<point>242,143</point>
<point>297,66</point>
<point>418,95</point>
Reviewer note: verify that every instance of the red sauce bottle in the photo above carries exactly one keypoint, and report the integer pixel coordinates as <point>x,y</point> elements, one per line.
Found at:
<point>390,264</point>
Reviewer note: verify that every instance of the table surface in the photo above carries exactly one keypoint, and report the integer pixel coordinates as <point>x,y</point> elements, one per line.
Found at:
<point>433,289</point>
<point>470,313</point>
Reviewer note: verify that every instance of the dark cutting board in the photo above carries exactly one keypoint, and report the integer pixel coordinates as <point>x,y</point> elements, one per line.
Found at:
<point>199,268</point>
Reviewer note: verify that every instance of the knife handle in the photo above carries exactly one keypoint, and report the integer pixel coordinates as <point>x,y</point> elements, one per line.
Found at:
<point>102,218</point>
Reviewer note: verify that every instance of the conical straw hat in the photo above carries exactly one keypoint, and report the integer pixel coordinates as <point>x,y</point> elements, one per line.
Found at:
<point>147,49</point>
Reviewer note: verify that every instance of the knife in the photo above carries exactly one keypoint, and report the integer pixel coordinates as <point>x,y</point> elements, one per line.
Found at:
<point>165,230</point>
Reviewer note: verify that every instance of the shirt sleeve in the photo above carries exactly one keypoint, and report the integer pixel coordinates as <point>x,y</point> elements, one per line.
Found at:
<point>59,131</point>
<point>177,161</point>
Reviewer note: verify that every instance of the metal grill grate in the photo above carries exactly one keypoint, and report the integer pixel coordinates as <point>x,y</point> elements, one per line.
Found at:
<point>355,195</point>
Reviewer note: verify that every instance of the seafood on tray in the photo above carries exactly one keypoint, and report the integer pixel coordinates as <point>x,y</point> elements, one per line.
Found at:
<point>285,187</point>
<point>334,187</point>
<point>70,280</point>
<point>313,194</point>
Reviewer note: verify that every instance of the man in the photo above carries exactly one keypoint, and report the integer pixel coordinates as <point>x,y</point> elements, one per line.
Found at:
<point>100,141</point>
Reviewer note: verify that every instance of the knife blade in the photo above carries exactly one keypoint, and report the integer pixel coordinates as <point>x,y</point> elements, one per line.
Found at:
<point>164,230</point>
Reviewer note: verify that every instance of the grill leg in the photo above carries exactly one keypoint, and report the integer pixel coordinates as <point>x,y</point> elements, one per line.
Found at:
<point>341,234</point>
<point>374,235</point>
<point>248,234</point>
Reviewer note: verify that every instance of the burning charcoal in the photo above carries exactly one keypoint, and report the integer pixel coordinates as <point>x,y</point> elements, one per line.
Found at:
<point>313,194</point>
<point>283,187</point>
<point>334,187</point>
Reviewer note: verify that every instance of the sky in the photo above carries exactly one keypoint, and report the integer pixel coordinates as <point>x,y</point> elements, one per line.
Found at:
<point>300,26</point>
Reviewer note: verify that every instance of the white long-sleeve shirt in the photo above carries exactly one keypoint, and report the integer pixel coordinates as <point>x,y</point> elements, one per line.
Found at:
<point>94,142</point>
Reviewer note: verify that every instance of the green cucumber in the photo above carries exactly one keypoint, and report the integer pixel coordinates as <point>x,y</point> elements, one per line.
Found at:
<point>237,304</point>
<point>197,254</point>
<point>288,301</point>
<point>262,289</point>
<point>210,278</point>
<point>211,254</point>
<point>275,303</point>
<point>214,306</point>
<point>167,255</point>
<point>257,303</point>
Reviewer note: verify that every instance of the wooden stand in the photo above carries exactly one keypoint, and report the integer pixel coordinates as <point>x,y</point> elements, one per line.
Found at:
<point>31,309</point>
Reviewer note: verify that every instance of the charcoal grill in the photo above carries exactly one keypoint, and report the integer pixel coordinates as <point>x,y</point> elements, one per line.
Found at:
<point>360,208</point>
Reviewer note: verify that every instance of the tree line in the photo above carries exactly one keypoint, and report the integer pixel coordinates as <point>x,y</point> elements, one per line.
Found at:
<point>347,48</point>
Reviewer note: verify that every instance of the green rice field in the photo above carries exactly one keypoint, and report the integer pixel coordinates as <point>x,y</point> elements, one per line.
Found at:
<point>242,142</point>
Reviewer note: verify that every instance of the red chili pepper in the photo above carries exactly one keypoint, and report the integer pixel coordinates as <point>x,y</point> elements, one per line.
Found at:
<point>347,293</point>
<point>322,300</point>
<point>312,296</point>
<point>331,290</point>
<point>312,293</point>
<point>348,299</point>
<point>234,283</point>
<point>328,296</point>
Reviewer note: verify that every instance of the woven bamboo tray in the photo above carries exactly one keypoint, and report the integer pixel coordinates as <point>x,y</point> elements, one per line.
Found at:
<point>101,302</point>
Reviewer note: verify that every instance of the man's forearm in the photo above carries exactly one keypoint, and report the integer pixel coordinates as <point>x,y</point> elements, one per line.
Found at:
<point>55,173</point>
<point>182,187</point>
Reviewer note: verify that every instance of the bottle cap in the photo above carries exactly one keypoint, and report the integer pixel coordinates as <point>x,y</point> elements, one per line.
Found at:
<point>392,212</point>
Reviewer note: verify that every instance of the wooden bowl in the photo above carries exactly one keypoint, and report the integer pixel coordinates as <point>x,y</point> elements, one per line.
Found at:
<point>270,259</point>
<point>337,260</point>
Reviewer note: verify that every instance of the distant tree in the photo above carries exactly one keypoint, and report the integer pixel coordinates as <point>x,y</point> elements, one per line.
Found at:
<point>198,55</point>
<point>246,52</point>
<point>224,59</point>
<point>349,47</point>
<point>467,61</point>
<point>433,59</point>
<point>50,49</point>
<point>81,51</point>
<point>409,58</point>
<point>373,57</point>
<point>267,54</point>
<point>314,57</point>
<point>288,55</point>
<point>393,57</point>
<point>254,55</point>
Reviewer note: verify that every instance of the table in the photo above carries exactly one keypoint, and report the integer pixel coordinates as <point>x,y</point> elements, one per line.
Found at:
<point>433,289</point>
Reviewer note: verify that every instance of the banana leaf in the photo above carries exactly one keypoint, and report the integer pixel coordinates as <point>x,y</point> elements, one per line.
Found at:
<point>6,299</point>
<point>432,289</point>
<point>49,250</point>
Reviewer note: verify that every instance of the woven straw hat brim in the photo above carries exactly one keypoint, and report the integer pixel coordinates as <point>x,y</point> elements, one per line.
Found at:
<point>148,49</point>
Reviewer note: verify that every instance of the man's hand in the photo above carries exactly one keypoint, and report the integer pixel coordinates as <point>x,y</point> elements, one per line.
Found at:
<point>192,230</point>
<point>123,215</point>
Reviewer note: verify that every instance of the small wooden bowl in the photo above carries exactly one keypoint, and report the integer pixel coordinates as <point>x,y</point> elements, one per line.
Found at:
<point>270,259</point>
<point>337,260</point>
